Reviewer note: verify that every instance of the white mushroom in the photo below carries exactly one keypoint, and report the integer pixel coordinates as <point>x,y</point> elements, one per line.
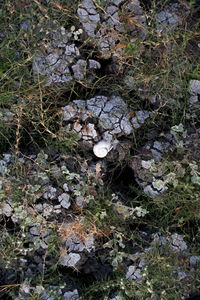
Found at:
<point>102,148</point>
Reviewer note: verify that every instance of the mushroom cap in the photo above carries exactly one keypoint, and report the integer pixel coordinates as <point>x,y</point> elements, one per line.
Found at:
<point>102,148</point>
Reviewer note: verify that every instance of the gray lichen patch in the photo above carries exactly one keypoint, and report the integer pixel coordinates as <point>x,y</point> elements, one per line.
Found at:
<point>171,17</point>
<point>108,119</point>
<point>76,245</point>
<point>104,24</point>
<point>60,61</point>
<point>149,171</point>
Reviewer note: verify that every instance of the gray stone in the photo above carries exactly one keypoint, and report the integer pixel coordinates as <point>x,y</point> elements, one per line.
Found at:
<point>7,157</point>
<point>51,59</point>
<point>35,231</point>
<point>163,15</point>
<point>135,123</point>
<point>111,9</point>
<point>65,187</point>
<point>126,126</point>
<point>80,201</point>
<point>133,273</point>
<point>43,245</point>
<point>160,240</point>
<point>177,242</point>
<point>64,200</point>
<point>94,18</point>
<point>26,26</point>
<point>113,20</point>
<point>149,191</point>
<point>109,117</point>
<point>47,209</point>
<point>89,132</point>
<point>116,2</point>
<point>181,275</point>
<point>72,50</point>
<point>194,87</point>
<point>142,263</point>
<point>6,115</point>
<point>82,14</point>
<point>75,244</point>
<point>79,69</point>
<point>129,81</point>
<point>6,209</point>
<point>95,110</point>
<point>3,167</point>
<point>104,44</point>
<point>69,112</point>
<point>54,60</point>
<point>80,103</point>
<point>89,28</point>
<point>170,17</point>
<point>158,146</point>
<point>142,115</point>
<point>50,193</point>
<point>156,155</point>
<point>77,127</point>
<point>99,101</point>
<point>93,64</point>
<point>71,295</point>
<point>193,99</point>
<point>70,260</point>
<point>194,260</point>
<point>134,6</point>
<point>108,137</point>
<point>89,6</point>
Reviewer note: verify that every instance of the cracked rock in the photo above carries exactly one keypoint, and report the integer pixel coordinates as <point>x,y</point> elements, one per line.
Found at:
<point>177,243</point>
<point>50,193</point>
<point>194,87</point>
<point>171,17</point>
<point>109,120</point>
<point>149,172</point>
<point>76,247</point>
<point>60,61</point>
<point>6,209</point>
<point>194,260</point>
<point>71,295</point>
<point>105,25</point>
<point>64,200</point>
<point>134,273</point>
<point>70,260</point>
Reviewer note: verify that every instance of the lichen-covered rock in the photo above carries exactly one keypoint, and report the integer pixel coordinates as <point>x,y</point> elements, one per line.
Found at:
<point>71,295</point>
<point>76,245</point>
<point>194,89</point>
<point>135,273</point>
<point>6,115</point>
<point>175,242</point>
<point>60,60</point>
<point>64,200</point>
<point>148,168</point>
<point>5,209</point>
<point>194,261</point>
<point>108,119</point>
<point>170,17</point>
<point>103,23</point>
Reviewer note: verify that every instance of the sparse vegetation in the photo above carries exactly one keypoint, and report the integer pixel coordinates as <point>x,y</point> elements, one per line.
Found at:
<point>41,160</point>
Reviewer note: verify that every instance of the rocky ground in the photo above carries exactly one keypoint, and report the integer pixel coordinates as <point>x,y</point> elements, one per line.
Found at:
<point>100,137</point>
